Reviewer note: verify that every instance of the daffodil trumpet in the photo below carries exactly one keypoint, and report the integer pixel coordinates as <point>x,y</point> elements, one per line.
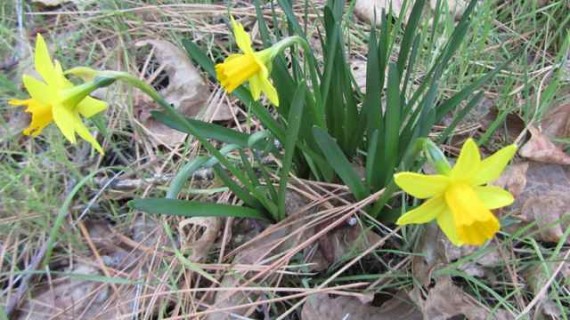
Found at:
<point>459,199</point>
<point>253,66</point>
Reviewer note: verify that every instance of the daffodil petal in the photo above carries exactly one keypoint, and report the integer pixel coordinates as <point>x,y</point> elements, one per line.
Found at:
<point>265,57</point>
<point>65,121</point>
<point>269,90</point>
<point>61,80</point>
<point>255,86</point>
<point>232,56</point>
<point>428,211</point>
<point>243,40</point>
<point>421,186</point>
<point>468,163</point>
<point>447,225</point>
<point>39,90</point>
<point>18,102</point>
<point>84,133</point>
<point>89,107</point>
<point>492,166</point>
<point>494,197</point>
<point>42,61</point>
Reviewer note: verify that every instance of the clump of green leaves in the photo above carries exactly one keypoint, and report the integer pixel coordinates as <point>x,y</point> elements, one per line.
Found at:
<point>326,124</point>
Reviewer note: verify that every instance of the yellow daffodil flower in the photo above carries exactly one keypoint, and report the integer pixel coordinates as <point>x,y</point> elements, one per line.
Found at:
<point>460,199</point>
<point>249,65</point>
<point>56,99</point>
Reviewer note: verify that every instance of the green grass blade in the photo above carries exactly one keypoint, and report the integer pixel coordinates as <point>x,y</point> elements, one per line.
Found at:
<point>293,126</point>
<point>55,230</point>
<point>263,30</point>
<point>460,116</point>
<point>183,208</point>
<point>264,172</point>
<point>338,161</point>
<point>392,124</point>
<point>248,168</point>
<point>205,129</point>
<point>454,101</point>
<point>287,8</point>
<point>409,35</point>
<point>371,113</point>
<point>332,39</point>
<point>411,63</point>
<point>238,190</point>
<point>455,40</point>
<point>198,56</point>
<point>373,166</point>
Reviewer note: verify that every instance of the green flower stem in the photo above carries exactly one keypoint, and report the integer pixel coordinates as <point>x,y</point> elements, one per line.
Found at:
<point>410,156</point>
<point>55,231</point>
<point>187,170</point>
<point>147,89</point>
<point>73,96</point>
<point>283,44</point>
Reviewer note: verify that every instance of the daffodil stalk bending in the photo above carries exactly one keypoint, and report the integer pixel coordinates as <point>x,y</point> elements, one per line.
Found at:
<point>459,198</point>
<point>250,65</point>
<point>56,99</point>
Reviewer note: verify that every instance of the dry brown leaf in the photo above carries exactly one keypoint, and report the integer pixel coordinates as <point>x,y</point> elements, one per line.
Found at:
<point>540,148</point>
<point>200,237</point>
<point>71,298</point>
<point>544,197</point>
<point>551,213</point>
<point>186,91</point>
<point>556,122</point>
<point>438,251</point>
<point>368,10</point>
<point>481,266</point>
<point>513,178</point>
<point>321,306</point>
<point>335,245</point>
<point>446,301</point>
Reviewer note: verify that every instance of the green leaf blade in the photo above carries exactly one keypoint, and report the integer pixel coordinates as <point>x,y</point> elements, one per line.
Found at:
<point>183,208</point>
